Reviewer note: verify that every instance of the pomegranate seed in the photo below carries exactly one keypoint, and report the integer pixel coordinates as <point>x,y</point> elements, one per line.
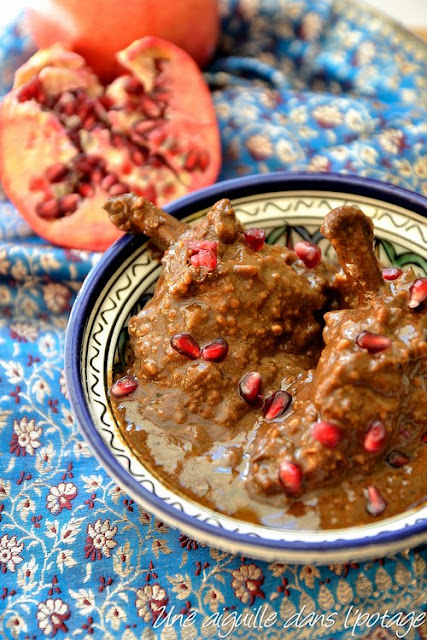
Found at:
<point>204,160</point>
<point>328,434</point>
<point>149,107</point>
<point>215,351</point>
<point>132,85</point>
<point>391,273</point>
<point>89,122</point>
<point>204,259</point>
<point>86,164</point>
<point>186,345</point>
<point>97,175</point>
<point>138,158</point>
<point>397,459</point>
<point>108,181</point>
<point>372,342</point>
<point>418,293</point>
<point>117,189</point>
<point>86,190</point>
<point>424,437</point>
<point>29,91</point>
<point>255,238</point>
<point>150,192</point>
<point>276,404</point>
<point>202,245</point>
<point>157,135</point>
<point>375,437</point>
<point>290,476</point>
<point>84,111</point>
<point>69,202</point>
<point>375,503</point>
<point>69,108</point>
<point>56,172</point>
<point>142,127</point>
<point>309,253</point>
<point>250,388</point>
<point>106,102</point>
<point>191,160</point>
<point>48,209</point>
<point>124,386</point>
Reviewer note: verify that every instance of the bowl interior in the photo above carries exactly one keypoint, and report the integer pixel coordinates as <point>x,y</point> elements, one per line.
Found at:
<point>128,279</point>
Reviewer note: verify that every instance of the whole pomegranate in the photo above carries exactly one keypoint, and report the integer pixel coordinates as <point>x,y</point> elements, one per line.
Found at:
<point>67,142</point>
<point>97,29</point>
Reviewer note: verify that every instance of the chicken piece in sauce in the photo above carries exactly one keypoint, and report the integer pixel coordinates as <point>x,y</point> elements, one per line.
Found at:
<point>328,367</point>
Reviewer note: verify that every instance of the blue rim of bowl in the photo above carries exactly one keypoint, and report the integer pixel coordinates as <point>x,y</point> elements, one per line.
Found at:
<point>183,207</point>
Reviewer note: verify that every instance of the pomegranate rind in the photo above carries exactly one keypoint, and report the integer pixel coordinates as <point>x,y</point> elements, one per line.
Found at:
<point>32,139</point>
<point>35,137</point>
<point>191,24</point>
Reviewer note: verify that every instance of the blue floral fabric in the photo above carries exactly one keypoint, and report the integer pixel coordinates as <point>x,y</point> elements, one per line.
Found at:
<point>299,85</point>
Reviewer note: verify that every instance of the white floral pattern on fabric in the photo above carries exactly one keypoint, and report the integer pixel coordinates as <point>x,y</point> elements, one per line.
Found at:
<point>9,553</point>
<point>26,436</point>
<point>149,602</point>
<point>247,581</point>
<point>99,540</point>
<point>60,497</point>
<point>51,616</point>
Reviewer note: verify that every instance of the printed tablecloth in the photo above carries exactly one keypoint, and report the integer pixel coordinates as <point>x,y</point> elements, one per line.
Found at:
<point>299,85</point>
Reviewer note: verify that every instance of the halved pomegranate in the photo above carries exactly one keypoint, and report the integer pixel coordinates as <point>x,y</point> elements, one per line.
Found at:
<point>67,143</point>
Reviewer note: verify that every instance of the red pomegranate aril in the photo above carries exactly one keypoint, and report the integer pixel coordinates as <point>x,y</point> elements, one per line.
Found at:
<point>142,127</point>
<point>97,176</point>
<point>89,123</point>
<point>149,107</point>
<point>250,388</point>
<point>138,158</point>
<point>108,181</point>
<point>86,190</point>
<point>30,91</point>
<point>157,136</point>
<point>84,111</point>
<point>309,253</point>
<point>375,437</point>
<point>69,202</point>
<point>117,189</point>
<point>132,85</point>
<point>86,164</point>
<point>191,160</point>
<point>255,238</point>
<point>204,259</point>
<point>69,109</point>
<point>290,477</point>
<point>204,160</point>
<point>391,273</point>
<point>373,342</point>
<point>277,404</point>
<point>397,459</point>
<point>124,386</point>
<point>375,503</point>
<point>202,245</point>
<point>424,437</point>
<point>49,209</point>
<point>117,140</point>
<point>418,293</point>
<point>186,345</point>
<point>56,172</point>
<point>215,351</point>
<point>330,435</point>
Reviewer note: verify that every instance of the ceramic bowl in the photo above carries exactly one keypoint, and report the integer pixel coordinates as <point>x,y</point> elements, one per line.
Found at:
<point>289,206</point>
